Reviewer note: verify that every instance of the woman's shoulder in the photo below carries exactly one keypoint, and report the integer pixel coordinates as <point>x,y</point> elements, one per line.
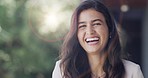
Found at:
<point>132,69</point>
<point>58,62</point>
<point>130,64</point>
<point>57,70</point>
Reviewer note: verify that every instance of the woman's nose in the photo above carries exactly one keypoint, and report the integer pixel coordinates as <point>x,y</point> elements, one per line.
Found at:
<point>90,30</point>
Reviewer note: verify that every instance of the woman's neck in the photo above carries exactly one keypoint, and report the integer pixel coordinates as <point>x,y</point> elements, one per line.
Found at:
<point>96,63</point>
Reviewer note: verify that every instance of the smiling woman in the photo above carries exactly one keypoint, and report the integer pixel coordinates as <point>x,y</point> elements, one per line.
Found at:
<point>92,31</point>
<point>92,47</point>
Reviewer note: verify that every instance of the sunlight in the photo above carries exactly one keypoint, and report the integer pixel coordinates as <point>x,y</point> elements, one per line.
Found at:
<point>50,23</point>
<point>49,17</point>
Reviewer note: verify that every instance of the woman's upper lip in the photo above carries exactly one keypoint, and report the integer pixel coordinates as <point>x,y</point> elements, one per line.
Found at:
<point>91,37</point>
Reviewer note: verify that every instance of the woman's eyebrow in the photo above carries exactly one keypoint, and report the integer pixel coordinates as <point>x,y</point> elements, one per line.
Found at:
<point>97,20</point>
<point>91,21</point>
<point>81,22</point>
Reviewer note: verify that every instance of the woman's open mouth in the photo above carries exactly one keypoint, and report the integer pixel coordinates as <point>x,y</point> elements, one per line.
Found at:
<point>92,41</point>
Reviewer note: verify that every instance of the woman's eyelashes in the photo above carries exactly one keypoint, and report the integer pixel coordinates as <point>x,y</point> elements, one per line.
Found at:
<point>82,26</point>
<point>96,24</point>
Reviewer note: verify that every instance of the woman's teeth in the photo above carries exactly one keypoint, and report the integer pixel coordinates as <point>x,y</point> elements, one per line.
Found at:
<point>92,39</point>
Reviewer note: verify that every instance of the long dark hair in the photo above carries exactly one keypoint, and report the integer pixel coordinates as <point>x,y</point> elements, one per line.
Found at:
<point>74,60</point>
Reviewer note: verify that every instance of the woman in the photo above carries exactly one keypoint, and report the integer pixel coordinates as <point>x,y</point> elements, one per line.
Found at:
<point>92,49</point>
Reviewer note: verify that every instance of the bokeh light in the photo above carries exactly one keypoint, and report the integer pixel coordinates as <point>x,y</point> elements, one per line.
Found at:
<point>124,8</point>
<point>50,20</point>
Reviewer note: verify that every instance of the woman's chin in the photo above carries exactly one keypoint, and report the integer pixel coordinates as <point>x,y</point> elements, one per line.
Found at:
<point>92,52</point>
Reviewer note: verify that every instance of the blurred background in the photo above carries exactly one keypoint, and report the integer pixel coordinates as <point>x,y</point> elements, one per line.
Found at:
<point>32,31</point>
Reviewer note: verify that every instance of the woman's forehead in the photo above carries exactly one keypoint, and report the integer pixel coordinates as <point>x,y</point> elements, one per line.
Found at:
<point>91,14</point>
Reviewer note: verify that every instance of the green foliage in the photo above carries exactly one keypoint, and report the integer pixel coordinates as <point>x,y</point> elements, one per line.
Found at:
<point>24,52</point>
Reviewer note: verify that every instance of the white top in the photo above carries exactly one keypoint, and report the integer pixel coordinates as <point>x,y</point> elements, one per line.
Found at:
<point>132,70</point>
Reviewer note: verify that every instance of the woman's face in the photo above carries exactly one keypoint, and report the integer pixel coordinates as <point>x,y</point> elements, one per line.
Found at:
<point>92,31</point>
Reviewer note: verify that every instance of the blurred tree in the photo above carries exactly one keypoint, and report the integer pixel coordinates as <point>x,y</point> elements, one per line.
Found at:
<point>22,53</point>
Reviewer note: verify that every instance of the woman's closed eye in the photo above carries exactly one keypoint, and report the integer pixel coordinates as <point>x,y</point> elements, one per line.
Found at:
<point>81,26</point>
<point>96,24</point>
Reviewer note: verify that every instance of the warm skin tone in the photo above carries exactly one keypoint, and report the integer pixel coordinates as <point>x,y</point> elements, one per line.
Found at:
<point>93,36</point>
